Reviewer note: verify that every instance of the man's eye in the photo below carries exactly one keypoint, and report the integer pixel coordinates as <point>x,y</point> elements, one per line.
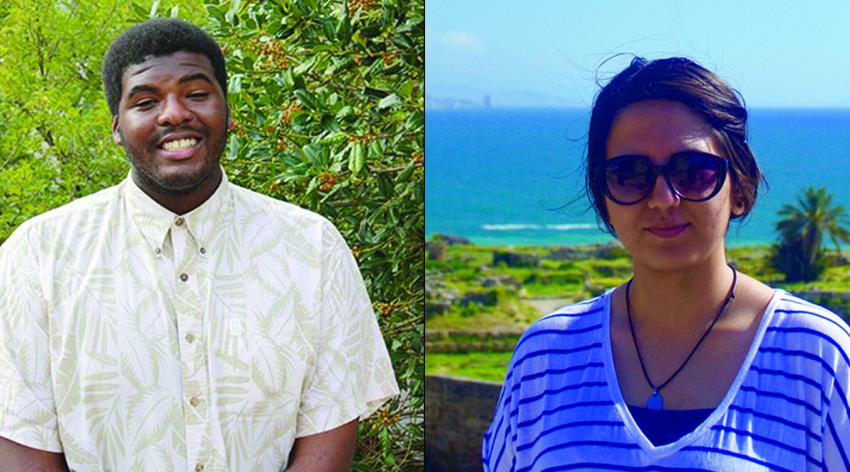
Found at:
<point>144,104</point>
<point>198,95</point>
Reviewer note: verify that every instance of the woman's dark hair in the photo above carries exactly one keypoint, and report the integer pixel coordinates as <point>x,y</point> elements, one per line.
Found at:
<point>681,80</point>
<point>157,37</point>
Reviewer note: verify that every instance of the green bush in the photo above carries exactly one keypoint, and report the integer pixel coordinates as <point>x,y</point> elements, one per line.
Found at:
<point>569,277</point>
<point>327,98</point>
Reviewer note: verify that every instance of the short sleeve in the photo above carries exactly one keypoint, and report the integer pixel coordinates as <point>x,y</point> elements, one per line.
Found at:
<point>27,409</point>
<point>353,375</point>
<point>498,447</point>
<point>836,435</point>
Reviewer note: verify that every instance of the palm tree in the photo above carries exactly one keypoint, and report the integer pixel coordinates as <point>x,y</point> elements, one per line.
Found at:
<point>802,230</point>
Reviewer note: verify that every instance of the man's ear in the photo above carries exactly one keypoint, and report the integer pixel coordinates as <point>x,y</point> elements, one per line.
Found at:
<point>116,131</point>
<point>229,118</point>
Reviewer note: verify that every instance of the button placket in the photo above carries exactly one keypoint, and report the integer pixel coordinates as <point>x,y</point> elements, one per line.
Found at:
<point>188,305</point>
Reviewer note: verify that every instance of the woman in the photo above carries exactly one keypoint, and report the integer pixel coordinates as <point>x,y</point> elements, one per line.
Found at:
<point>691,364</point>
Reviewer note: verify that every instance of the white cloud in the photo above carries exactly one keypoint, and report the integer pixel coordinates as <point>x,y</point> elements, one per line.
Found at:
<point>461,40</point>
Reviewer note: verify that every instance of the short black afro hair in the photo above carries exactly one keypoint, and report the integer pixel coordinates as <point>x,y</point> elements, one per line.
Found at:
<point>156,37</point>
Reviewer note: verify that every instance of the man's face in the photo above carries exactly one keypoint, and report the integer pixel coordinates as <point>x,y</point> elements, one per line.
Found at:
<point>172,122</point>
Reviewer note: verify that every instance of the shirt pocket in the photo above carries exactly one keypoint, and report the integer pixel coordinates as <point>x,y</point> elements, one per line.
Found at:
<point>258,369</point>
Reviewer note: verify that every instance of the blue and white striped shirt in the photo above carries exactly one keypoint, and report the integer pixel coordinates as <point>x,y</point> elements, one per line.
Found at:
<point>561,407</point>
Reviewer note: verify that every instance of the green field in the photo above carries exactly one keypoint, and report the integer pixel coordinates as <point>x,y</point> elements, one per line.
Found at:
<point>477,304</point>
<point>475,365</point>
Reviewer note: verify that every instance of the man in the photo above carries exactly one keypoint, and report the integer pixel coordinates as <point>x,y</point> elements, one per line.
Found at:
<point>177,321</point>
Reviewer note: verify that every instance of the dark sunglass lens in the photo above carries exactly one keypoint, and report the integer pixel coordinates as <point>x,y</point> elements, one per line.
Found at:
<point>695,176</point>
<point>629,178</point>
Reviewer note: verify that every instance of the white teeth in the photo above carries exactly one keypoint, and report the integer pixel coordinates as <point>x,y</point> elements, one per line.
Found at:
<point>179,144</point>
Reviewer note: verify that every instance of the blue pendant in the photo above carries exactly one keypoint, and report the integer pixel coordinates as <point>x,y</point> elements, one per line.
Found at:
<point>655,402</point>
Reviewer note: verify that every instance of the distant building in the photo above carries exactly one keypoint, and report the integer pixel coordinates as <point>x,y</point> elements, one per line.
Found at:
<point>449,103</point>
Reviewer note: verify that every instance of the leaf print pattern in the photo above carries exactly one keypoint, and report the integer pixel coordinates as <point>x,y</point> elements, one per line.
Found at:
<point>110,356</point>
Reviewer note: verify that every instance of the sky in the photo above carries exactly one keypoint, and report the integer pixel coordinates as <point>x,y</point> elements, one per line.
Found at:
<point>551,52</point>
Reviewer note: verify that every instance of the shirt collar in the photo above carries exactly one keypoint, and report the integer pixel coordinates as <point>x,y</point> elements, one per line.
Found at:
<point>154,221</point>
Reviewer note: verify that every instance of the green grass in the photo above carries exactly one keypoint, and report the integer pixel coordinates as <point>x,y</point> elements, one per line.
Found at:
<point>832,279</point>
<point>550,290</point>
<point>509,315</point>
<point>490,366</point>
<point>567,279</point>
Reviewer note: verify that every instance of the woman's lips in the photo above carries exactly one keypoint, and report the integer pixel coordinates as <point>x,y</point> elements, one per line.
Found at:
<point>667,232</point>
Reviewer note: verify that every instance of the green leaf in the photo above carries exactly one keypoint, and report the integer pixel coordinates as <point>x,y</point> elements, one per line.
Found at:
<point>388,101</point>
<point>308,100</point>
<point>355,159</point>
<point>306,65</point>
<point>215,12</point>
<point>344,112</point>
<point>329,29</point>
<point>329,123</point>
<point>234,84</point>
<point>154,8</point>
<point>407,172</point>
<point>287,78</point>
<point>233,10</point>
<point>373,92</point>
<point>139,11</point>
<point>386,186</point>
<point>313,153</point>
<point>290,160</point>
<point>375,150</point>
<point>403,41</point>
<point>343,26</point>
<point>232,148</point>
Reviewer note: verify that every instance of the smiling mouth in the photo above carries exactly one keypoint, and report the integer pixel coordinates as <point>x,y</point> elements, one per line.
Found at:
<point>179,144</point>
<point>669,231</point>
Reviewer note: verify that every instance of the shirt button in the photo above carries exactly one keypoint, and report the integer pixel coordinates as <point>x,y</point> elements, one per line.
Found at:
<point>158,250</point>
<point>190,338</point>
<point>179,221</point>
<point>184,277</point>
<point>195,401</point>
<point>203,250</point>
<point>199,467</point>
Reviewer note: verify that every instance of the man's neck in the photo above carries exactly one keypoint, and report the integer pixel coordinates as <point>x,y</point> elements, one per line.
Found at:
<point>184,202</point>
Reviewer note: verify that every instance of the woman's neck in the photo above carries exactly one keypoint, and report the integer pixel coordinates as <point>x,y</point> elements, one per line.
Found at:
<point>675,300</point>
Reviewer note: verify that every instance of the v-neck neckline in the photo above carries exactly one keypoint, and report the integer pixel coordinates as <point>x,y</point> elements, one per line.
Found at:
<point>632,430</point>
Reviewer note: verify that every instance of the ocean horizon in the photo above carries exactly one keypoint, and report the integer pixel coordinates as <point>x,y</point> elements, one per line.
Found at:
<point>514,176</point>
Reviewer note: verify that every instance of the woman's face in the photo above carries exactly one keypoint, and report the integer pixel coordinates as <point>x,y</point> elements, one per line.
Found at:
<point>664,232</point>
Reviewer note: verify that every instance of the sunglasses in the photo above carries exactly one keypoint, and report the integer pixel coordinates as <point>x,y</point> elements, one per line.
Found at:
<point>691,175</point>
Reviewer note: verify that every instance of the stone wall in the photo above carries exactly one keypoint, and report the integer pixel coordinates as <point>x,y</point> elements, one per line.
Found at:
<point>459,411</point>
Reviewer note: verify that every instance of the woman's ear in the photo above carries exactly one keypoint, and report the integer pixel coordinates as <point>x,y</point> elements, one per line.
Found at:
<point>738,207</point>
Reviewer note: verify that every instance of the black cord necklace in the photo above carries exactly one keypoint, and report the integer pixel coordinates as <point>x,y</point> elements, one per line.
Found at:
<point>655,401</point>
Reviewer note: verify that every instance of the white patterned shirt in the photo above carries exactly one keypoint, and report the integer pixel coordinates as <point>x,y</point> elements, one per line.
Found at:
<point>132,338</point>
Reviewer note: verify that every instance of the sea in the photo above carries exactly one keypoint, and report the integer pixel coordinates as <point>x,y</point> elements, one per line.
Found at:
<point>515,176</point>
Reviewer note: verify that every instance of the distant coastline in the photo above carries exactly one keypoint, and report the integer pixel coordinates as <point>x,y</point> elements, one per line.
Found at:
<point>566,235</point>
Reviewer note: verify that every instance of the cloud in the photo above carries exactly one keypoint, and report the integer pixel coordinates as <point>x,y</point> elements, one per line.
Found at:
<point>461,40</point>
